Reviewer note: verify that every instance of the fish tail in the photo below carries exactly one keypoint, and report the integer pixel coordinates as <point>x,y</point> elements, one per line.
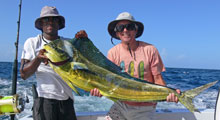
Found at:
<point>187,96</point>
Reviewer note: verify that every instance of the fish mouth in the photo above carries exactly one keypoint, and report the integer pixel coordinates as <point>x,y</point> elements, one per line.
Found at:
<point>61,62</point>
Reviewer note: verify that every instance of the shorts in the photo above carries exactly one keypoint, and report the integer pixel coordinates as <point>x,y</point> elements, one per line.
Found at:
<point>122,111</point>
<point>51,109</point>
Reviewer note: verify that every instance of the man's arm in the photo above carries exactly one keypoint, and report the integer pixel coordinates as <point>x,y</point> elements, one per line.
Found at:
<point>28,67</point>
<point>158,79</point>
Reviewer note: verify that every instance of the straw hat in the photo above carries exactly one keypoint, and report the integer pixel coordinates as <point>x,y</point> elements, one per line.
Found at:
<point>124,16</point>
<point>48,11</point>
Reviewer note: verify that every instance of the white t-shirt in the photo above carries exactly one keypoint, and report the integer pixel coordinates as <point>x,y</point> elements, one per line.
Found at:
<point>49,84</point>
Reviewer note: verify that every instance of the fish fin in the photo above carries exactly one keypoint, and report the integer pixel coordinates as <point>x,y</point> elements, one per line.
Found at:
<point>187,96</point>
<point>72,41</point>
<point>78,66</point>
<point>71,85</point>
<point>113,99</point>
<point>74,89</point>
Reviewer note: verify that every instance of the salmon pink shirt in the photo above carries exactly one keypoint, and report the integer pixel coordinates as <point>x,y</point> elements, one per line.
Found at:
<point>143,63</point>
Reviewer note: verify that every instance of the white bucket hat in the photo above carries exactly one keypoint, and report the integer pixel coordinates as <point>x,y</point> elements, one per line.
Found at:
<point>48,11</point>
<point>124,16</point>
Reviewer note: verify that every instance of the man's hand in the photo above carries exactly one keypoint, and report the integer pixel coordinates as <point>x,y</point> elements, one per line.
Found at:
<point>172,98</point>
<point>95,92</point>
<point>81,34</point>
<point>42,57</point>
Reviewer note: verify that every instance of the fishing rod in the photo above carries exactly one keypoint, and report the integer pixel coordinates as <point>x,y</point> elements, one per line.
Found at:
<point>11,105</point>
<point>15,65</point>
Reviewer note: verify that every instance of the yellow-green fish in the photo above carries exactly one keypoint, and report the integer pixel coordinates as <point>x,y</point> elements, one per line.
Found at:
<point>82,65</point>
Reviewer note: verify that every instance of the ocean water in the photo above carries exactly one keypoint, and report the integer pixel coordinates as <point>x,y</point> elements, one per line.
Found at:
<point>181,78</point>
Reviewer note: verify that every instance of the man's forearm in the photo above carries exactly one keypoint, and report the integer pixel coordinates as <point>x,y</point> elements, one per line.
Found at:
<point>158,79</point>
<point>28,68</point>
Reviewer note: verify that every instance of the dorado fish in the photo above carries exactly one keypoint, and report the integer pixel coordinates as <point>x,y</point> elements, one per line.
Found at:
<point>88,50</point>
<point>89,70</point>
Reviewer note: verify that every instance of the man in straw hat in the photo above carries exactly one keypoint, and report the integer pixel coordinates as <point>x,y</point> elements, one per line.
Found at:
<point>139,59</point>
<point>54,97</point>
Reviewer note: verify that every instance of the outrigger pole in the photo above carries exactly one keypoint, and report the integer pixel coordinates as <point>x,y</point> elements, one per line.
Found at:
<point>15,65</point>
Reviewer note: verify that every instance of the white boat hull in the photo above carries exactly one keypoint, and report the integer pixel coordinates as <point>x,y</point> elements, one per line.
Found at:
<point>174,114</point>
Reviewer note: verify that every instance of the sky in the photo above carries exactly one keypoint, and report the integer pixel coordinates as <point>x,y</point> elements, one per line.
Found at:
<point>185,32</point>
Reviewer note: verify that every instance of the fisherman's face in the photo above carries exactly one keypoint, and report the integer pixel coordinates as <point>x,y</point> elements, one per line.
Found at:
<point>126,31</point>
<point>50,25</point>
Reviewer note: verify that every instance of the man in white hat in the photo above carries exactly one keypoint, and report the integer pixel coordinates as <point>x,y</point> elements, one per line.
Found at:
<point>140,60</point>
<point>54,99</point>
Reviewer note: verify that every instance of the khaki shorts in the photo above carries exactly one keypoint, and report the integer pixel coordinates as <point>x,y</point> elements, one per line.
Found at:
<point>122,111</point>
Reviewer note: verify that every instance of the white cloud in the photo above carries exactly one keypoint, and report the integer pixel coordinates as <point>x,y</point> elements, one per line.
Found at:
<point>164,53</point>
<point>181,57</point>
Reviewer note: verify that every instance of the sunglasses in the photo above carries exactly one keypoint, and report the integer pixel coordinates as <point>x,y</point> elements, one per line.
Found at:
<point>50,19</point>
<point>120,28</point>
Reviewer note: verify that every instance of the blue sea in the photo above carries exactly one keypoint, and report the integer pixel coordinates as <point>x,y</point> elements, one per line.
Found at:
<point>181,78</point>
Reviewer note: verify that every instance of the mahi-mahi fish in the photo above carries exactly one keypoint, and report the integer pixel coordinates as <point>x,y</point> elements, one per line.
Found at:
<point>84,66</point>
